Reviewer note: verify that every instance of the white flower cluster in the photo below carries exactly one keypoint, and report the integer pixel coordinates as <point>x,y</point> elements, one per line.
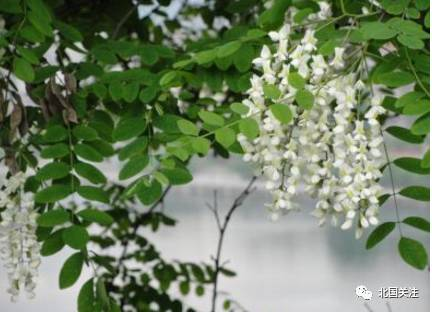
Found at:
<point>18,243</point>
<point>332,148</point>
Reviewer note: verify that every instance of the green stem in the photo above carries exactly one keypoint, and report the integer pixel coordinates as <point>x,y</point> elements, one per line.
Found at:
<point>420,83</point>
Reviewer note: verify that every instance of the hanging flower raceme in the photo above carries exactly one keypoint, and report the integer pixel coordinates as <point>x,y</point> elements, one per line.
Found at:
<point>19,247</point>
<point>318,127</point>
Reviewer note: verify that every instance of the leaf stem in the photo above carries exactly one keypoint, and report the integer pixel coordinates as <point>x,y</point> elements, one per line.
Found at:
<point>420,83</point>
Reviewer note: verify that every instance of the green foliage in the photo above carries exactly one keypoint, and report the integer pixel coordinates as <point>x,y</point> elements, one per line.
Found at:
<point>413,253</point>
<point>420,193</point>
<point>116,101</point>
<point>95,215</point>
<point>75,236</point>
<point>53,217</point>
<point>378,234</point>
<point>282,113</point>
<point>71,270</point>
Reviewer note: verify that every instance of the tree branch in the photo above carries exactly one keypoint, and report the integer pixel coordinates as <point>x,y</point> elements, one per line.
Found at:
<point>222,229</point>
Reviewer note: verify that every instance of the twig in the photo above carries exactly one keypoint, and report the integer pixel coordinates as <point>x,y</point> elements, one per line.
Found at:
<point>222,229</point>
<point>388,306</point>
<point>389,164</point>
<point>123,20</point>
<point>368,307</point>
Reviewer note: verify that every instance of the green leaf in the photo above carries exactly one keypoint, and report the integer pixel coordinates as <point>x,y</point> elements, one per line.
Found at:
<point>116,90</point>
<point>228,49</point>
<point>71,270</point>
<point>29,55</point>
<point>416,108</point>
<point>29,33</point>
<point>42,25</point>
<point>199,290</point>
<point>103,147</point>
<point>102,294</point>
<point>148,94</point>
<point>85,133</point>
<point>243,58</point>
<point>177,176</point>
<point>23,69</point>
<point>305,99</point>
<point>420,193</point>
<point>52,194</point>
<point>408,98</point>
<point>422,5</point>
<point>204,57</point>
<point>93,193</point>
<point>271,92</point>
<point>377,30</point>
<point>184,287</point>
<point>168,78</point>
<point>75,236</point>
<point>53,217</point>
<point>408,28</point>
<point>10,6</point>
<point>54,170</point>
<point>327,48</point>
<point>87,152</point>
<point>395,79</point>
<point>383,198</point>
<point>53,244</point>
<point>418,222</point>
<point>425,163</point>
<point>129,128</point>
<point>255,33</point>
<point>86,297</point>
<point>239,108</point>
<point>405,135</point>
<point>281,112</point>
<point>394,7</point>
<point>379,233</point>
<point>134,166</point>
<point>413,253</point>
<point>133,148</point>
<point>411,164</point>
<point>68,31</point>
<point>211,118</point>
<point>54,134</point>
<point>273,18</point>
<point>225,136</point>
<point>226,304</point>
<point>421,125</point>
<point>130,92</point>
<point>149,193</point>
<point>90,173</point>
<point>200,145</point>
<point>227,272</point>
<point>296,80</point>
<point>99,90</point>
<point>95,215</point>
<point>411,41</point>
<point>249,127</point>
<point>187,127</point>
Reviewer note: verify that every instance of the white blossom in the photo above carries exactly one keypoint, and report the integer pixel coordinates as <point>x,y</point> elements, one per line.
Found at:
<point>332,149</point>
<point>19,247</point>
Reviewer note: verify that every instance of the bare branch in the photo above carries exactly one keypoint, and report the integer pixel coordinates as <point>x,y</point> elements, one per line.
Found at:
<point>222,229</point>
